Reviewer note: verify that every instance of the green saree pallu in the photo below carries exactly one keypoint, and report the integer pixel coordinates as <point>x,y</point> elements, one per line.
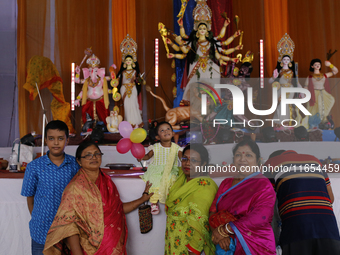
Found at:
<point>187,208</point>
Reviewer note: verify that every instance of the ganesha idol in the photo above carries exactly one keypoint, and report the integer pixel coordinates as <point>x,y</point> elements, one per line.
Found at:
<point>94,95</point>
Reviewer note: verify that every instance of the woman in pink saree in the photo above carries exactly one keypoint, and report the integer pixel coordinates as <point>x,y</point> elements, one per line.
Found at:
<point>242,211</point>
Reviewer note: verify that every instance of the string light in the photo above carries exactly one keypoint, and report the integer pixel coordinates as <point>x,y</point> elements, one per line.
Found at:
<point>261,65</point>
<point>156,62</point>
<point>72,87</point>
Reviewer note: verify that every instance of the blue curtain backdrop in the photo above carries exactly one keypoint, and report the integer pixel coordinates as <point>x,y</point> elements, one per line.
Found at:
<point>188,23</point>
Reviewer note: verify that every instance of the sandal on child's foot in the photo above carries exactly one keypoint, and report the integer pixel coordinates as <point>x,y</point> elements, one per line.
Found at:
<point>154,209</point>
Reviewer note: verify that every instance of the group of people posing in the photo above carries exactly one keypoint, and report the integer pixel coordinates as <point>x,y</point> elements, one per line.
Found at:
<point>76,208</point>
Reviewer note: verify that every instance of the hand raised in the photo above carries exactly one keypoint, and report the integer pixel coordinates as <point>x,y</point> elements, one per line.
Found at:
<point>235,60</point>
<point>239,47</point>
<point>227,22</point>
<point>180,22</point>
<point>178,39</point>
<point>77,70</point>
<point>237,33</point>
<point>170,55</point>
<point>146,195</point>
<point>275,74</point>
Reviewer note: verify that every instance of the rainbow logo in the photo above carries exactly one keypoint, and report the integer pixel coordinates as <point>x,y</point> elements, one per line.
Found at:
<point>208,92</point>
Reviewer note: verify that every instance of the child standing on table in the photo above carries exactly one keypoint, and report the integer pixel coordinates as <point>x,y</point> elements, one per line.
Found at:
<point>44,182</point>
<point>163,170</point>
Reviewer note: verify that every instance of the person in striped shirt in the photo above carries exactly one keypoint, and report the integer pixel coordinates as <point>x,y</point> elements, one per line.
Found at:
<point>305,200</point>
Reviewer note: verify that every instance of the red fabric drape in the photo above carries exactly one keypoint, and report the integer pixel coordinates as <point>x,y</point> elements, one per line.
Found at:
<point>218,7</point>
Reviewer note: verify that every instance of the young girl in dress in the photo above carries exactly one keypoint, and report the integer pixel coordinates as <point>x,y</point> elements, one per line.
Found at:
<point>163,170</point>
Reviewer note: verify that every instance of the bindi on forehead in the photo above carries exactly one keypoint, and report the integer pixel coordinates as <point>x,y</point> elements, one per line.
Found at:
<point>243,152</point>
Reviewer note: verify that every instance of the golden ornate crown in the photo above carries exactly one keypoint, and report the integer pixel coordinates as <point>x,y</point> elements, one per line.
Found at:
<point>93,61</point>
<point>128,47</point>
<point>285,47</point>
<point>202,14</point>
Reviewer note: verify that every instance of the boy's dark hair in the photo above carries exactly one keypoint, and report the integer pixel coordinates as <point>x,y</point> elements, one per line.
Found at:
<point>160,124</point>
<point>57,124</point>
<point>83,146</point>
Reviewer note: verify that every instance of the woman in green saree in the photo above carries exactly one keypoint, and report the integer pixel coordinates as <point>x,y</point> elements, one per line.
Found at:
<point>187,206</point>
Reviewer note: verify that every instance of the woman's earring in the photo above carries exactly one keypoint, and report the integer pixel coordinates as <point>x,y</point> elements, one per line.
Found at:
<point>290,64</point>
<point>133,65</point>
<point>206,34</point>
<point>124,65</point>
<point>281,64</point>
<point>197,34</point>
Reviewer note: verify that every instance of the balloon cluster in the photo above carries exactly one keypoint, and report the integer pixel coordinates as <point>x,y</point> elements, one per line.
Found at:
<point>131,140</point>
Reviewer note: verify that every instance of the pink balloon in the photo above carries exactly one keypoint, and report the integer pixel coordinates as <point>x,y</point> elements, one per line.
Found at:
<point>125,129</point>
<point>137,150</point>
<point>124,145</point>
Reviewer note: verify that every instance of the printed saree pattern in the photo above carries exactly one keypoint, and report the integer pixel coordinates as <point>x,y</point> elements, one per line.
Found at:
<point>94,212</point>
<point>187,208</point>
<point>251,202</point>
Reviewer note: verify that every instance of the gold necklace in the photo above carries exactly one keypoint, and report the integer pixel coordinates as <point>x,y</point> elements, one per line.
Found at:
<point>318,76</point>
<point>286,73</point>
<point>203,48</point>
<point>91,84</point>
<point>128,75</point>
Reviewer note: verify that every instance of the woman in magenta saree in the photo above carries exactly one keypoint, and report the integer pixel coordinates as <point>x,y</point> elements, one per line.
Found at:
<point>242,210</point>
<point>91,216</point>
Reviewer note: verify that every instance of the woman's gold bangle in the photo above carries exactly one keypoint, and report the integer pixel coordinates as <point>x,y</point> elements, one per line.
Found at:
<point>331,66</point>
<point>221,232</point>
